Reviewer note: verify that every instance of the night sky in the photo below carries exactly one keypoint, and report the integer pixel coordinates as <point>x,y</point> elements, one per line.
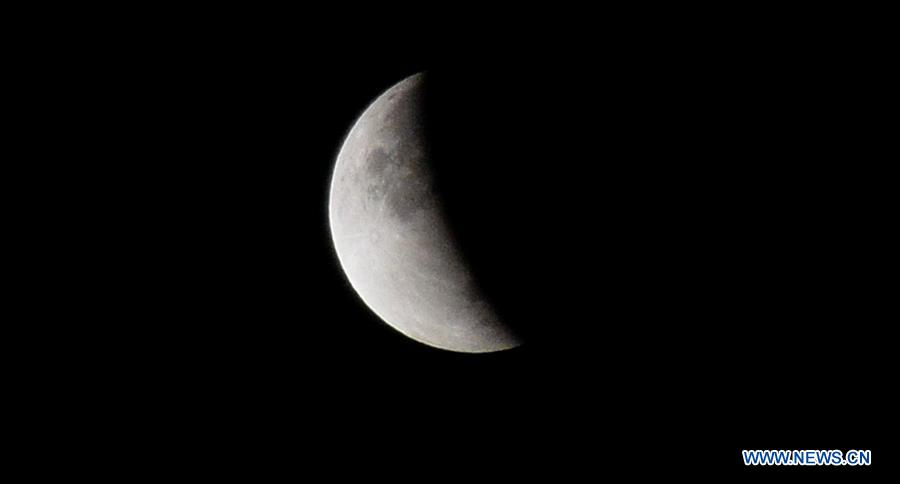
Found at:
<point>689,227</point>
<point>690,236</point>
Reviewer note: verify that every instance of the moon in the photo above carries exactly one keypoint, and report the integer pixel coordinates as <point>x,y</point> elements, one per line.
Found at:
<point>391,235</point>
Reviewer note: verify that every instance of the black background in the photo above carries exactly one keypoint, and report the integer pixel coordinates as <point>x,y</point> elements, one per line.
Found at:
<point>690,230</point>
<point>688,222</point>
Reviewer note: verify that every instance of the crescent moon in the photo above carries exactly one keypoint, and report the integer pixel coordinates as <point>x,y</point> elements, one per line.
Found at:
<point>392,239</point>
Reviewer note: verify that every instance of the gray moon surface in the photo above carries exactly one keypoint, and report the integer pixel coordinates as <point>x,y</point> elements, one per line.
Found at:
<point>391,236</point>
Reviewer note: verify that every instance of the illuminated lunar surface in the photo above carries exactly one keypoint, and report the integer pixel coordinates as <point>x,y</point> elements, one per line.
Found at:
<point>392,239</point>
